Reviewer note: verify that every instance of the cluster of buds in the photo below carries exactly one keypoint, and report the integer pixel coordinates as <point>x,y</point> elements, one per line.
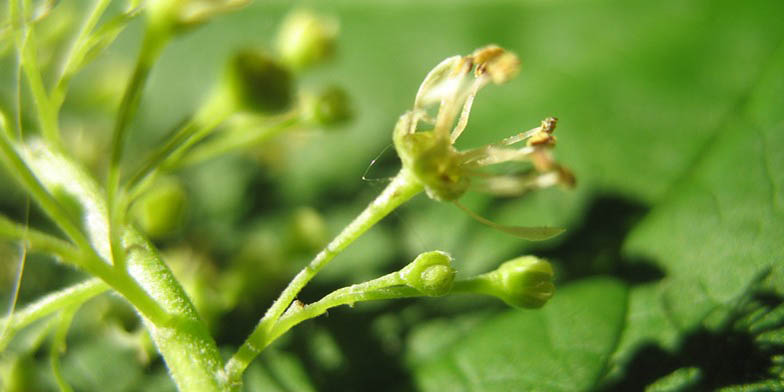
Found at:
<point>447,173</point>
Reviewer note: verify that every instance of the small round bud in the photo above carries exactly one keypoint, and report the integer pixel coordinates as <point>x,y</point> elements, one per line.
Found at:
<point>257,83</point>
<point>307,230</point>
<point>329,108</point>
<point>161,211</point>
<point>524,282</point>
<point>306,39</point>
<point>431,273</point>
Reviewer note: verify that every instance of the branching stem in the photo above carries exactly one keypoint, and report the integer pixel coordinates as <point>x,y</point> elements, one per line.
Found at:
<point>401,189</point>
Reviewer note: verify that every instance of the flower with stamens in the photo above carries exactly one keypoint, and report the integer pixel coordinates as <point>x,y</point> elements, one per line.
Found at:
<point>445,172</point>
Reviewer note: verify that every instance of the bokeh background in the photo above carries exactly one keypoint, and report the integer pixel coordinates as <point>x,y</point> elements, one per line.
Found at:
<point>669,275</point>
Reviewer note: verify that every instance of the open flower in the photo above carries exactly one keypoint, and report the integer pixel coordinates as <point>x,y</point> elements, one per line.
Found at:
<point>425,139</point>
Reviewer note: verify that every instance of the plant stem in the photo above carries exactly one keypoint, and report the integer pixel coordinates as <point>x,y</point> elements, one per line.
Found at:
<point>184,341</point>
<point>58,345</point>
<point>345,296</point>
<point>402,188</point>
<point>39,241</point>
<point>26,47</point>
<point>71,296</point>
<point>155,39</point>
<point>18,168</point>
<point>77,52</point>
<point>234,140</point>
<point>206,119</point>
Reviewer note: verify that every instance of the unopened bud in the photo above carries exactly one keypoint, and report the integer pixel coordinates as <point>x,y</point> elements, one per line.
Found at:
<point>306,39</point>
<point>524,282</point>
<point>161,211</point>
<point>257,83</point>
<point>431,273</point>
<point>184,14</point>
<point>330,107</point>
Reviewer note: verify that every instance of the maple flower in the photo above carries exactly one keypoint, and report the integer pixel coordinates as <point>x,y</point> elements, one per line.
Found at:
<point>424,137</point>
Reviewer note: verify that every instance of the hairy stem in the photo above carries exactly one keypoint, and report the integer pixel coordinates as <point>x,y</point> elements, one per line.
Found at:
<point>43,307</point>
<point>39,241</point>
<point>401,189</point>
<point>19,169</point>
<point>345,296</point>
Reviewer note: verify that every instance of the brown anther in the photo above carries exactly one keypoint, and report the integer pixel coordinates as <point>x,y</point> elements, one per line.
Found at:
<point>548,124</point>
<point>488,53</point>
<point>541,139</point>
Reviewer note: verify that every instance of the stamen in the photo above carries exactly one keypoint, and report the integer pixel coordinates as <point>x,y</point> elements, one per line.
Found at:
<point>425,95</point>
<point>463,121</point>
<point>499,155</point>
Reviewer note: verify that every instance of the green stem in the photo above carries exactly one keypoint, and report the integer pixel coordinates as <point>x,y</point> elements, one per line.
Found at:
<point>214,112</point>
<point>155,39</point>
<point>235,140</point>
<point>71,296</point>
<point>19,169</point>
<point>39,241</point>
<point>87,256</point>
<point>345,296</point>
<point>58,345</point>
<point>77,52</point>
<point>26,49</point>
<point>402,188</point>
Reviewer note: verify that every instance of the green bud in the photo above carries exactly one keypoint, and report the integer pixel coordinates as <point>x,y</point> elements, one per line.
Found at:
<point>431,273</point>
<point>160,212</point>
<point>180,15</point>
<point>308,230</point>
<point>257,83</point>
<point>306,39</point>
<point>524,282</point>
<point>328,108</point>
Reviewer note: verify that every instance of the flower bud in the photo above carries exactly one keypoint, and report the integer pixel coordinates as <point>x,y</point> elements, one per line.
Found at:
<point>306,39</point>
<point>328,108</point>
<point>161,211</point>
<point>257,83</point>
<point>184,14</point>
<point>307,230</point>
<point>431,273</point>
<point>524,282</point>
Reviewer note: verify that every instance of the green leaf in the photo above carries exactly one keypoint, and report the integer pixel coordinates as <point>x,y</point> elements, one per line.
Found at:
<point>562,347</point>
<point>718,232</point>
